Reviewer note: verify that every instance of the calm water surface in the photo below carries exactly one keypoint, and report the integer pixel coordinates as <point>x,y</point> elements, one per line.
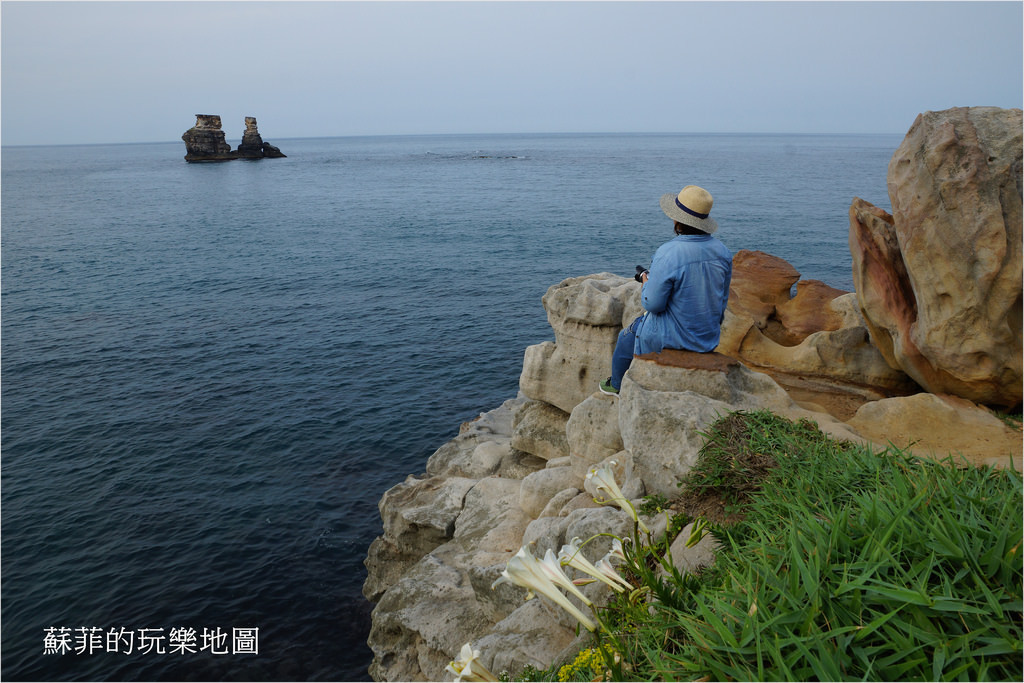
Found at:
<point>211,372</point>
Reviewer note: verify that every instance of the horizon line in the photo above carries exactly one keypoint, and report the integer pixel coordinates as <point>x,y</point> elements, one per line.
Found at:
<point>423,135</point>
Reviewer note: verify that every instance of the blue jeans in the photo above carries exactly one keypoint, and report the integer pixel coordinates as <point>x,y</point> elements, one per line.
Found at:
<point>622,357</point>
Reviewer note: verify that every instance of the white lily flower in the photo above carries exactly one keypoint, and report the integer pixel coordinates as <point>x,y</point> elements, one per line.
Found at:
<point>571,555</point>
<point>600,483</point>
<point>606,568</point>
<point>616,551</point>
<point>467,668</point>
<point>553,570</point>
<point>535,576</point>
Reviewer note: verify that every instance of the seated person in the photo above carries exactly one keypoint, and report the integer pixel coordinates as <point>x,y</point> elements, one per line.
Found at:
<point>685,291</point>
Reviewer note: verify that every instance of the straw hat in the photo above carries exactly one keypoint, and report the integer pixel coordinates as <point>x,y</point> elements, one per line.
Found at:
<point>690,207</point>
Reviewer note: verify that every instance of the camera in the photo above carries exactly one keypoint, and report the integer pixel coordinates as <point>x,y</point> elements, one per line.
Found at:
<point>640,270</point>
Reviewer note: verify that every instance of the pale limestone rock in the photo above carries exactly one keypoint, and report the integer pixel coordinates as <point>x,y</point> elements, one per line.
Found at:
<point>559,462</point>
<point>539,488</point>
<point>939,281</point>
<point>592,432</point>
<point>583,500</point>
<point>459,457</point>
<point>590,523</point>
<point>492,517</point>
<point>533,634</point>
<point>558,502</point>
<point>586,314</point>
<point>539,429</point>
<point>488,455</point>
<point>419,515</point>
<point>935,426</point>
<point>700,556</point>
<point>429,613</point>
<point>545,533</point>
<point>665,405</point>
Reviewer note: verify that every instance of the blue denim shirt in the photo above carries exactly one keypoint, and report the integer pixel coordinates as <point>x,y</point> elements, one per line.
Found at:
<point>685,295</point>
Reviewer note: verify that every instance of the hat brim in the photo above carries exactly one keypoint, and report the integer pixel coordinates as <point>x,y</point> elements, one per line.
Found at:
<point>668,205</point>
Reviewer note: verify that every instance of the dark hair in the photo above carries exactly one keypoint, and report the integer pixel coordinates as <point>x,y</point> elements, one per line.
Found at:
<point>684,229</point>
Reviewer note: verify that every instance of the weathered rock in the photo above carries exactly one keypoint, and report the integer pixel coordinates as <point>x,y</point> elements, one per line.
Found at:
<point>492,517</point>
<point>810,311</point>
<point>271,152</point>
<point>932,425</point>
<point>668,399</point>
<point>534,634</point>
<point>845,359</point>
<point>540,487</point>
<point>691,560</point>
<point>939,281</point>
<point>592,432</point>
<point>419,515</point>
<point>421,622</point>
<point>558,502</point>
<point>814,343</point>
<point>449,533</point>
<point>205,141</point>
<point>586,314</point>
<point>760,283</point>
<point>539,429</point>
<point>251,146</point>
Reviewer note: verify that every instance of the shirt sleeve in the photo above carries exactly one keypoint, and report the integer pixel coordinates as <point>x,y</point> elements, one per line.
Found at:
<point>660,283</point>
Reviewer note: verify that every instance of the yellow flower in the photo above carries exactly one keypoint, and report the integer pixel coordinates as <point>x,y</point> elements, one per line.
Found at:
<point>589,664</point>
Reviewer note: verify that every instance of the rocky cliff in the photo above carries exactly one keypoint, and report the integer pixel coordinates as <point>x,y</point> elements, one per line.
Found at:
<point>515,475</point>
<point>206,142</point>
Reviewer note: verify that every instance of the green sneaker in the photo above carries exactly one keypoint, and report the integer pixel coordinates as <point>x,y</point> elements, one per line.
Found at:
<point>607,388</point>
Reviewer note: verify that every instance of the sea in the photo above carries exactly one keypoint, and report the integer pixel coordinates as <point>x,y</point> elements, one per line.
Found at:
<point>212,372</point>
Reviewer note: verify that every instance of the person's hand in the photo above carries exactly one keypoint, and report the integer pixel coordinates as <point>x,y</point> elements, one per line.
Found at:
<point>643,278</point>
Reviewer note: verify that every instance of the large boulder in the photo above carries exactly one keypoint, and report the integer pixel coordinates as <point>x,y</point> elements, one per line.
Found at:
<point>939,280</point>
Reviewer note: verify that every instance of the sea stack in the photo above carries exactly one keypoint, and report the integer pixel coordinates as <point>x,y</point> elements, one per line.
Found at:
<point>252,146</point>
<point>205,142</point>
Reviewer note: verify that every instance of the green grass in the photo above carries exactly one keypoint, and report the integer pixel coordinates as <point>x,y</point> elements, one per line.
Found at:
<point>846,565</point>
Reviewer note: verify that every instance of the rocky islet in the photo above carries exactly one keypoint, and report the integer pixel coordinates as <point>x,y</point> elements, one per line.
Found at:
<point>205,141</point>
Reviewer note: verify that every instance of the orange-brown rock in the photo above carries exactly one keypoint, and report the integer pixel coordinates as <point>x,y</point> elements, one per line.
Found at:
<point>760,283</point>
<point>810,311</point>
<point>692,360</point>
<point>939,281</point>
<point>815,340</point>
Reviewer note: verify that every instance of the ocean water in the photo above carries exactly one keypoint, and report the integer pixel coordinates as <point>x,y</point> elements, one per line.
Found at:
<point>211,372</point>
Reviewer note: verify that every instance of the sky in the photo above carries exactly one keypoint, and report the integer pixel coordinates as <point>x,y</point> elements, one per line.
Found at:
<point>119,72</point>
